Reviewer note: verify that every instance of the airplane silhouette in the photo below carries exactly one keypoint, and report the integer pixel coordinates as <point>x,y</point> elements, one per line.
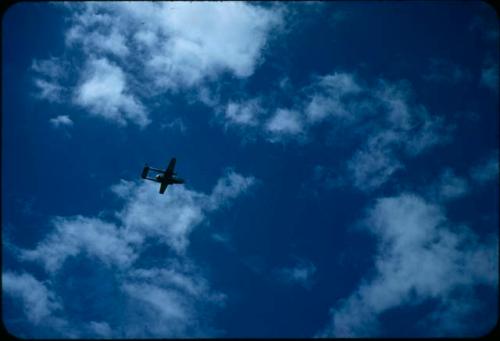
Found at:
<point>164,177</point>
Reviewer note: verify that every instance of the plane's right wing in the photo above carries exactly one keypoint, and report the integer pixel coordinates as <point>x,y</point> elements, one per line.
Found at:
<point>170,169</point>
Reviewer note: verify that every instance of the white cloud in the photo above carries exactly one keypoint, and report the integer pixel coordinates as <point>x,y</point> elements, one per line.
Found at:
<point>373,165</point>
<point>38,301</point>
<point>403,128</point>
<point>166,296</point>
<point>61,121</point>
<point>451,186</point>
<point>199,45</point>
<point>382,119</point>
<point>285,122</point>
<point>96,31</point>
<point>429,131</point>
<point>221,238</point>
<point>244,113</point>
<point>449,316</point>
<point>177,46</point>
<point>178,124</point>
<point>301,273</point>
<point>394,98</point>
<point>123,188</point>
<point>172,219</point>
<point>419,256</point>
<point>321,107</point>
<point>74,235</point>
<point>104,92</point>
<point>52,68</point>
<point>329,98</point>
<point>182,44</point>
<point>171,278</point>
<point>164,302</point>
<point>168,219</point>
<point>489,77</point>
<point>339,84</point>
<point>229,187</point>
<point>113,42</point>
<point>100,329</point>
<point>49,90</point>
<point>50,73</point>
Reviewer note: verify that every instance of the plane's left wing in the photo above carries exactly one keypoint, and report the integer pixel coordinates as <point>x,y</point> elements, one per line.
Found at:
<point>163,187</point>
<point>170,168</point>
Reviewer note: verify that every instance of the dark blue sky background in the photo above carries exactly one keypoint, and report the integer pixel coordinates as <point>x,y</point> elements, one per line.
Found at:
<point>303,241</point>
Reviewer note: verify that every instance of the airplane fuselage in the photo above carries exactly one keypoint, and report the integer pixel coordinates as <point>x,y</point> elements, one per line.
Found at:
<point>169,180</point>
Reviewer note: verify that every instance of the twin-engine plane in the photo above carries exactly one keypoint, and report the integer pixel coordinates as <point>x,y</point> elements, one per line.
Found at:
<point>164,177</point>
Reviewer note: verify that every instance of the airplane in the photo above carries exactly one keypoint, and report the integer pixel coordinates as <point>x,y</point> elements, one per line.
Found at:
<point>165,177</point>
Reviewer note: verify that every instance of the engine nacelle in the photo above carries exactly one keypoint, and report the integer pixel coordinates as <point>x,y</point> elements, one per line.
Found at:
<point>145,172</point>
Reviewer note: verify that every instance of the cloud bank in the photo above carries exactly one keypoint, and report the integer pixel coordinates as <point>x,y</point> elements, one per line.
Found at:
<point>173,296</point>
<point>420,256</point>
<point>379,121</point>
<point>133,51</point>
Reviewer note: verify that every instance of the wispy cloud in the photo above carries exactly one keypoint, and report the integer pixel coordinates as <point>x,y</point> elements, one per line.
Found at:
<point>199,45</point>
<point>166,295</point>
<point>177,123</point>
<point>109,39</point>
<point>61,121</point>
<point>329,97</point>
<point>451,186</point>
<point>285,123</point>
<point>228,188</point>
<point>51,68</point>
<point>380,121</point>
<point>375,163</point>
<point>486,170</point>
<point>49,90</point>
<point>420,257</point>
<point>38,301</point>
<point>221,238</point>
<point>244,113</point>
<point>177,46</point>
<point>489,76</point>
<point>488,30</point>
<point>49,76</point>
<point>100,329</point>
<point>443,71</point>
<point>74,235</point>
<point>103,91</point>
<point>395,126</point>
<point>300,273</point>
<point>170,220</point>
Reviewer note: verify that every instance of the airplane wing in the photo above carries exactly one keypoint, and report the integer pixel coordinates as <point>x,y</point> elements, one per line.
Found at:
<point>170,169</point>
<point>163,187</point>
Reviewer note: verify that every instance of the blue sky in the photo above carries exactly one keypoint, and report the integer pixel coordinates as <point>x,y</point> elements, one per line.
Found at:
<point>341,166</point>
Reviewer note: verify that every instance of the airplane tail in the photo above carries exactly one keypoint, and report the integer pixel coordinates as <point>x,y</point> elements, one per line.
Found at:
<point>145,171</point>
